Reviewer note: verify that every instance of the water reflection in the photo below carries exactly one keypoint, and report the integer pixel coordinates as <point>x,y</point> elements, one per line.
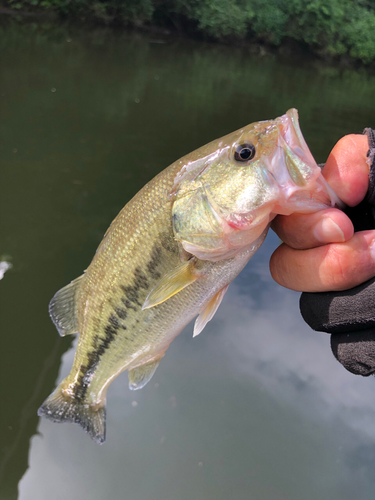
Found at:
<point>256,406</point>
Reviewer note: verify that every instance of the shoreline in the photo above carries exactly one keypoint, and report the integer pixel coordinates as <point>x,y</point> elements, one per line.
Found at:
<point>184,29</point>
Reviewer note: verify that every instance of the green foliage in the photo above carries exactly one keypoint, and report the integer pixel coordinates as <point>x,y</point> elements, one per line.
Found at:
<point>316,22</point>
<point>219,18</point>
<point>270,20</point>
<point>336,27</point>
<point>359,34</point>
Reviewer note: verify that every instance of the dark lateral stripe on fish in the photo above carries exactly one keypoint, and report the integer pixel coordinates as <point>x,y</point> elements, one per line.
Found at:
<point>121,312</point>
<point>114,321</point>
<point>156,256</point>
<point>100,346</point>
<point>132,291</point>
<point>128,304</point>
<point>131,295</point>
<point>140,279</point>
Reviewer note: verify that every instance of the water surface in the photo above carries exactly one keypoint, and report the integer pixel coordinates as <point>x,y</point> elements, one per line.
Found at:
<point>256,406</point>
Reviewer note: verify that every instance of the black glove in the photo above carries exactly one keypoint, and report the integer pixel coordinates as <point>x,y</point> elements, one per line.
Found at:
<point>350,315</point>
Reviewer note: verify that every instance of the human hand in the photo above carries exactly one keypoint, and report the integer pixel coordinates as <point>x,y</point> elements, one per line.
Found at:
<point>322,253</point>
<point>320,250</point>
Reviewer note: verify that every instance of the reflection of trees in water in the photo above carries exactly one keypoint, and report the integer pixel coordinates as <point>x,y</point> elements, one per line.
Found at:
<point>124,108</point>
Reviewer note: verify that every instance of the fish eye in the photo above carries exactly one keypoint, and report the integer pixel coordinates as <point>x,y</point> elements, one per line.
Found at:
<point>244,152</point>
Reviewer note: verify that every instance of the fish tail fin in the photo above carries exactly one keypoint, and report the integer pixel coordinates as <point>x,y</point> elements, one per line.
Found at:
<point>60,407</point>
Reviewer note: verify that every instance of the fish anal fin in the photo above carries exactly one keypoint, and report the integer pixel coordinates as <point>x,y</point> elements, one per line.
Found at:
<point>59,407</point>
<point>62,308</point>
<point>209,311</point>
<point>142,374</point>
<point>172,283</point>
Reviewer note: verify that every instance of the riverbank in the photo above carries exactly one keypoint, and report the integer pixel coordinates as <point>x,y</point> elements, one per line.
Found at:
<point>340,29</point>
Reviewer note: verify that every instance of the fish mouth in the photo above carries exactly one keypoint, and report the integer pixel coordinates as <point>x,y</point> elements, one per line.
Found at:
<point>304,187</point>
<point>291,133</point>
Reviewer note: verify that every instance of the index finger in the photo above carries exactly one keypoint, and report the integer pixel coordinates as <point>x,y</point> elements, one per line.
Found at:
<point>346,171</point>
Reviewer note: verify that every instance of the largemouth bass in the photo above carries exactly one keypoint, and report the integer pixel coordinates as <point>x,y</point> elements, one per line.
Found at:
<point>170,255</point>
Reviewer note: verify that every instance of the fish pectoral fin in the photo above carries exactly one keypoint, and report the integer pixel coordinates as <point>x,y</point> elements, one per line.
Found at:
<point>140,375</point>
<point>172,283</point>
<point>62,308</point>
<point>209,311</point>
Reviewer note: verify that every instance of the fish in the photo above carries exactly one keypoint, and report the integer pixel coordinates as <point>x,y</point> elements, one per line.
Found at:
<point>170,255</point>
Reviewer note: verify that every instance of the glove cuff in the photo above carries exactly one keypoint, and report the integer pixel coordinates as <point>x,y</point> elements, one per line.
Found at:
<point>355,351</point>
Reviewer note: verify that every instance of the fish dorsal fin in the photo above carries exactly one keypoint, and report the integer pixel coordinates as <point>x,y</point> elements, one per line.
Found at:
<point>172,283</point>
<point>139,376</point>
<point>62,308</point>
<point>209,311</point>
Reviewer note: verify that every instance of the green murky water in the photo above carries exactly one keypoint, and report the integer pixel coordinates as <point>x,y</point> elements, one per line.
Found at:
<point>256,407</point>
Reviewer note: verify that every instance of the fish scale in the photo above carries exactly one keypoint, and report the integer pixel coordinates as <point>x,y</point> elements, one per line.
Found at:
<point>170,254</point>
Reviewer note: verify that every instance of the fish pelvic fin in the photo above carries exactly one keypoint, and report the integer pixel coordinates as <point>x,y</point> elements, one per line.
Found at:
<point>209,311</point>
<point>172,283</point>
<point>141,375</point>
<point>60,407</point>
<point>62,308</point>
